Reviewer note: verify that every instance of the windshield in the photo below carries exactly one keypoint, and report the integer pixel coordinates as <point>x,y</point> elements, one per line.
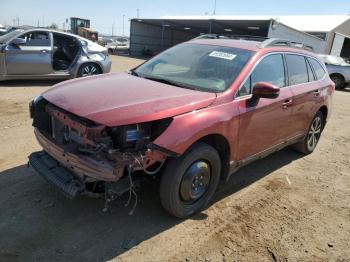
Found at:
<point>202,67</point>
<point>8,36</point>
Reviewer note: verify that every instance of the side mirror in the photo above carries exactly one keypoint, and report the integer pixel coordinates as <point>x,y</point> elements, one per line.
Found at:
<point>18,41</point>
<point>265,90</point>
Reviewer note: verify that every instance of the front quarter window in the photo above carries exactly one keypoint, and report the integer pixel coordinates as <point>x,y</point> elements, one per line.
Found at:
<point>197,66</point>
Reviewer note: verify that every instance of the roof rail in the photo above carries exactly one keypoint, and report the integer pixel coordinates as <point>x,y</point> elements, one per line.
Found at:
<point>237,37</point>
<point>265,41</point>
<point>282,42</point>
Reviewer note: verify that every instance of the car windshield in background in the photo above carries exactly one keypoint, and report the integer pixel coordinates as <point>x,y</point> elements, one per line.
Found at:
<point>8,36</point>
<point>195,66</point>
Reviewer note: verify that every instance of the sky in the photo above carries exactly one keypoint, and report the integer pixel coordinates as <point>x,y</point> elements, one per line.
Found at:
<point>103,13</point>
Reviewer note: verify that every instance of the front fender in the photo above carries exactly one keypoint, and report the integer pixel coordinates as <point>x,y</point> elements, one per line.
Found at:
<point>188,128</point>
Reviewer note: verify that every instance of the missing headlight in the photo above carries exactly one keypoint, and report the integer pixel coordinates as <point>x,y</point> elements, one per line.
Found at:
<point>136,137</point>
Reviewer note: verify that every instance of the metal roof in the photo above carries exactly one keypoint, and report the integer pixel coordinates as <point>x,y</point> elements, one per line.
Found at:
<point>306,23</point>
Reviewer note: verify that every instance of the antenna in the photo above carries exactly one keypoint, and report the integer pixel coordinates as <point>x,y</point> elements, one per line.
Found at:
<point>214,13</point>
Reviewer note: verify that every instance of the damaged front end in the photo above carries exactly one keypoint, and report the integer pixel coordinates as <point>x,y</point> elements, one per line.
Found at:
<point>83,157</point>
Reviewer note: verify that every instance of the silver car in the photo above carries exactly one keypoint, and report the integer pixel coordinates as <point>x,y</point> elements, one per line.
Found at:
<point>43,53</point>
<point>338,70</point>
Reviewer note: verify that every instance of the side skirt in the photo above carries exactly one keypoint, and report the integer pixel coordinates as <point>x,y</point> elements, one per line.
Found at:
<point>236,165</point>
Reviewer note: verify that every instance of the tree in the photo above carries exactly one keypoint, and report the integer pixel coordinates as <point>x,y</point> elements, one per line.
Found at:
<point>53,26</point>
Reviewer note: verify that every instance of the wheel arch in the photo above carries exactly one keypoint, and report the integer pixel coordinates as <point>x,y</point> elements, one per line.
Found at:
<point>222,146</point>
<point>324,110</point>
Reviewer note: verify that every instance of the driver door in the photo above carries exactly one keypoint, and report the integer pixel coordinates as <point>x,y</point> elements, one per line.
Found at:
<point>266,122</point>
<point>32,57</point>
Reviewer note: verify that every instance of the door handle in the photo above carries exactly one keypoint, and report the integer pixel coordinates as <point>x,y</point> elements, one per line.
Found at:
<point>317,92</point>
<point>287,103</point>
<point>43,51</point>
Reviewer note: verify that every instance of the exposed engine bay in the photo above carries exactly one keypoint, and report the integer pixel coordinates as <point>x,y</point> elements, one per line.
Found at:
<point>97,160</point>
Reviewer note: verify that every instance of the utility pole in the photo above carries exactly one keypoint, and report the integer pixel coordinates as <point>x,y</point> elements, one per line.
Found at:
<point>113,29</point>
<point>214,13</point>
<point>138,13</point>
<point>123,24</point>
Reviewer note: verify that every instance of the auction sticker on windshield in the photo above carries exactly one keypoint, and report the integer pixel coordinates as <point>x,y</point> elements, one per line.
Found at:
<point>222,55</point>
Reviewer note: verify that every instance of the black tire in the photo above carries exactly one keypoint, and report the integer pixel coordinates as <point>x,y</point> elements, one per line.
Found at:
<point>89,69</point>
<point>314,132</point>
<point>339,81</point>
<point>180,176</point>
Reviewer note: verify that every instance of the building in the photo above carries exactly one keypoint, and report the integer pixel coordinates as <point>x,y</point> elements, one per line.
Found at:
<point>326,34</point>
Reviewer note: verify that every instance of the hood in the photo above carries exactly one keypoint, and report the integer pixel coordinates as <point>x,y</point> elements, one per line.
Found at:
<point>121,99</point>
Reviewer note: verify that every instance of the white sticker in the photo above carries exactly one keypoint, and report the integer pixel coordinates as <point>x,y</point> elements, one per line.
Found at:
<point>222,55</point>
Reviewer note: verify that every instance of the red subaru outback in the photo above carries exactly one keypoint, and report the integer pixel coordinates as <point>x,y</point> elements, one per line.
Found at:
<point>192,115</point>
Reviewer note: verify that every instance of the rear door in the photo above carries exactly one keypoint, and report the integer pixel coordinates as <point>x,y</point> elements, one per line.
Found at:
<point>32,58</point>
<point>306,89</point>
<point>267,122</point>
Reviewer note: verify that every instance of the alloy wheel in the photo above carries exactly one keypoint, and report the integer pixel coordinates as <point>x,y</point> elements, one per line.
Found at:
<point>314,133</point>
<point>89,70</point>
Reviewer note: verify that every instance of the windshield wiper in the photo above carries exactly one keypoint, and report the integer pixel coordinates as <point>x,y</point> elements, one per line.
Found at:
<point>169,82</point>
<point>133,72</point>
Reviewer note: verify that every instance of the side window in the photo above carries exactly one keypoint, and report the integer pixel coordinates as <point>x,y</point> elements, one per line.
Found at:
<point>36,39</point>
<point>309,72</point>
<point>297,69</point>
<point>319,71</point>
<point>270,69</point>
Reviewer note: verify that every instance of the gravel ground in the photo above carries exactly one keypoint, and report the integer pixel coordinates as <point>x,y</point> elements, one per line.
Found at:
<point>286,207</point>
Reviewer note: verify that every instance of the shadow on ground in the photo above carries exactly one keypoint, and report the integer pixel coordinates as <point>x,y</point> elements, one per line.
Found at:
<point>38,224</point>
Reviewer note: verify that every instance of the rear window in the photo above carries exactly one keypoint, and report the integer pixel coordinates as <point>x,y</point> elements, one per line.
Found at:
<point>318,69</point>
<point>297,70</point>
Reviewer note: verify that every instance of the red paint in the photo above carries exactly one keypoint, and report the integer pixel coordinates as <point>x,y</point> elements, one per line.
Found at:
<point>121,99</point>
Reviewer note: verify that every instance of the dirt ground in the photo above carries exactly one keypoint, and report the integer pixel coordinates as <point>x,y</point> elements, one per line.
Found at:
<point>286,207</point>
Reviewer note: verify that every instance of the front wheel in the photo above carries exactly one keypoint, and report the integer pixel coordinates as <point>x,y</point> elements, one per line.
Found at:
<point>189,182</point>
<point>310,141</point>
<point>89,69</point>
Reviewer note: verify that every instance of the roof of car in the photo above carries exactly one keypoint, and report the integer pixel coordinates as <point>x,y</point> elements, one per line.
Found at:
<point>53,31</point>
<point>249,45</point>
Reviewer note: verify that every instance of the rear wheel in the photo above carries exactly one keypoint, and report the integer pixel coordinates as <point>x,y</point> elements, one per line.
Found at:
<point>339,81</point>
<point>310,141</point>
<point>189,182</point>
<point>89,69</point>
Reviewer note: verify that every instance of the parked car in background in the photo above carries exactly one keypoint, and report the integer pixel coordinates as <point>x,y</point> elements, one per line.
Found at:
<point>3,30</point>
<point>117,45</point>
<point>43,53</point>
<point>338,69</point>
<point>192,115</point>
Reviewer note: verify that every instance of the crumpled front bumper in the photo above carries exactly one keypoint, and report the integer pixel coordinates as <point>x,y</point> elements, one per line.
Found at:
<point>58,176</point>
<point>82,166</point>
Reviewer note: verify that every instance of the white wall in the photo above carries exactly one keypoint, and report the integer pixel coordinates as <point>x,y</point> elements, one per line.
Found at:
<point>282,31</point>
